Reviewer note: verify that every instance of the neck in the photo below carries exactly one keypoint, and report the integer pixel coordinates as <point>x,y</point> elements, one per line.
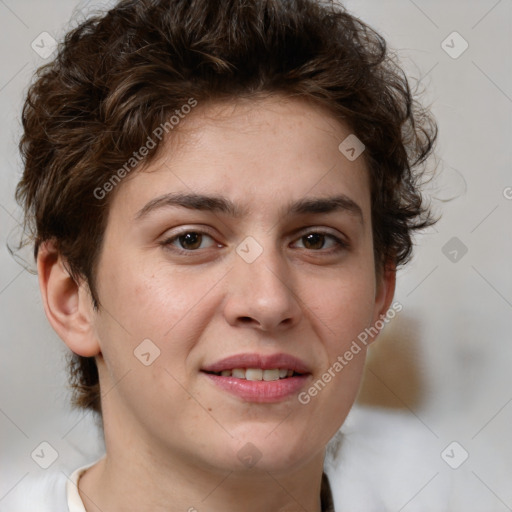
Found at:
<point>118,484</point>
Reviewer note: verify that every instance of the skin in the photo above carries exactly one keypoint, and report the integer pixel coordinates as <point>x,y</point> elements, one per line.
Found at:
<point>172,436</point>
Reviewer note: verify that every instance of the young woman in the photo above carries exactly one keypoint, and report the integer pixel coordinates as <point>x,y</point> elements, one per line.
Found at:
<point>219,195</point>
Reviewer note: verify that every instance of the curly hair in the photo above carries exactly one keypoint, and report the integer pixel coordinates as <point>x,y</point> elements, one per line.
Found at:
<point>118,76</point>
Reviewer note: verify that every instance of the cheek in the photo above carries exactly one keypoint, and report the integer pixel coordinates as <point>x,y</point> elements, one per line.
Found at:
<point>340,311</point>
<point>341,306</point>
<point>156,302</point>
<point>169,308</point>
<point>171,300</point>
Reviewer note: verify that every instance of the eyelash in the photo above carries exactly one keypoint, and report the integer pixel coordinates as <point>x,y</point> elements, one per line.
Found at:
<point>340,245</point>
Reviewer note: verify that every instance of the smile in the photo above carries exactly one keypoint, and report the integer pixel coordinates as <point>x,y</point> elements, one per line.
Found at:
<point>255,374</point>
<point>259,378</point>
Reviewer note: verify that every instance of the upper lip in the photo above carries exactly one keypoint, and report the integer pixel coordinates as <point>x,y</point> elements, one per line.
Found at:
<point>265,362</point>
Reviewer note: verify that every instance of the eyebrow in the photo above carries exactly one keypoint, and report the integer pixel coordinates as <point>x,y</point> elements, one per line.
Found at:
<point>326,205</point>
<point>219,204</point>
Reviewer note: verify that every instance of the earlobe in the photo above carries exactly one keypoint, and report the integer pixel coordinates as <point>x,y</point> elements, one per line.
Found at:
<point>66,302</point>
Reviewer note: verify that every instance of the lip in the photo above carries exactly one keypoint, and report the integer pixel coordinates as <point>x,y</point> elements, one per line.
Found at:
<point>260,391</point>
<point>265,362</point>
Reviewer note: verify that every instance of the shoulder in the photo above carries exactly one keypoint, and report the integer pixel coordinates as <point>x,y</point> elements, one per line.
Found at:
<point>380,459</point>
<point>44,493</point>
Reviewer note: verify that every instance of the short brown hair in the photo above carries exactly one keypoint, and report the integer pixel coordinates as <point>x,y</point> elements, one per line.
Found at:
<point>119,76</point>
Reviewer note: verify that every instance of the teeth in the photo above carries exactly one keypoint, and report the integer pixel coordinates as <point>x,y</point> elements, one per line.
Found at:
<point>239,373</point>
<point>271,374</point>
<point>254,374</point>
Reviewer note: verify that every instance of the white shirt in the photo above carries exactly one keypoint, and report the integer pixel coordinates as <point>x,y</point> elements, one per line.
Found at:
<point>52,492</point>
<point>75,503</point>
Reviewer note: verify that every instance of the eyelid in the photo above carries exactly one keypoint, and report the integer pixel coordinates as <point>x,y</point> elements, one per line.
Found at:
<point>180,231</point>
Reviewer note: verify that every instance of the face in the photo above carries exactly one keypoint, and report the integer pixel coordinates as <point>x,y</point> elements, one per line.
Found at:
<point>246,245</point>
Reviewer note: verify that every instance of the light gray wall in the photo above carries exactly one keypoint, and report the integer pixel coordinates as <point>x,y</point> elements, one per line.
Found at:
<point>441,372</point>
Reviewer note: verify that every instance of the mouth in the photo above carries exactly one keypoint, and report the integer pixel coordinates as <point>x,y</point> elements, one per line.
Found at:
<point>259,378</point>
<point>257,374</point>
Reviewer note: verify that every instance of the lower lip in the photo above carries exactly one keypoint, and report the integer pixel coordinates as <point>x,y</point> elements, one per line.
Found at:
<point>260,391</point>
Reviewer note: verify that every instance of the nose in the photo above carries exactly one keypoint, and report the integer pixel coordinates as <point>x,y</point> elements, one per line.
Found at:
<point>261,294</point>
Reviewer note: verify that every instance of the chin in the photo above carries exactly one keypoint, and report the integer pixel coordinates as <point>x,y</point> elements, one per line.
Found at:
<point>256,451</point>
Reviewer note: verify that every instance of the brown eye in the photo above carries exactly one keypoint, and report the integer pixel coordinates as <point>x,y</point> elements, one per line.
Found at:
<point>190,241</point>
<point>321,242</point>
<point>313,241</point>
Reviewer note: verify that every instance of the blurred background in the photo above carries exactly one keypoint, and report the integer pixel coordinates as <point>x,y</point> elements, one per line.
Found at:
<point>431,428</point>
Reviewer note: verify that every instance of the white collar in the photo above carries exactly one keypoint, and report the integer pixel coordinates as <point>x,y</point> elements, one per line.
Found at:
<point>75,503</point>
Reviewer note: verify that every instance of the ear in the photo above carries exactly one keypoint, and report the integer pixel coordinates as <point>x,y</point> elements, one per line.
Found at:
<point>385,292</point>
<point>67,304</point>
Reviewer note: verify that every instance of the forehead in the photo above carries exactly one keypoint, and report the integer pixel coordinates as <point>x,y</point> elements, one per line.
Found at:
<point>259,153</point>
